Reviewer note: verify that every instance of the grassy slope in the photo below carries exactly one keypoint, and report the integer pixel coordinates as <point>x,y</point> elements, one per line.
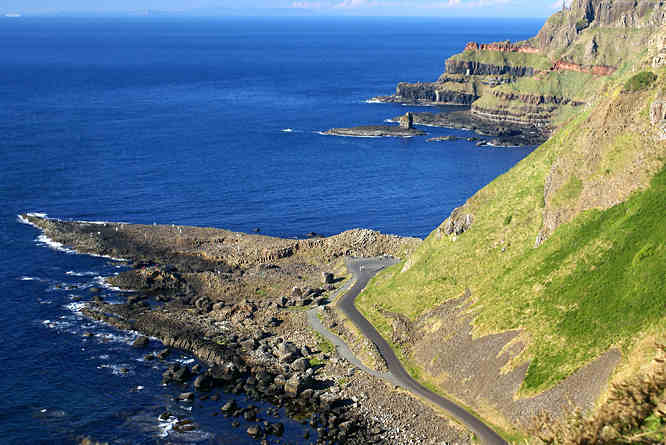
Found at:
<point>597,282</point>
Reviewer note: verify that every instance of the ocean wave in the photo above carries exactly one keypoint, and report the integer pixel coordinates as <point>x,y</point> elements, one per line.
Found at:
<point>166,426</point>
<point>120,369</point>
<point>75,307</point>
<point>101,281</point>
<point>287,130</point>
<point>80,274</point>
<point>55,245</point>
<point>25,278</point>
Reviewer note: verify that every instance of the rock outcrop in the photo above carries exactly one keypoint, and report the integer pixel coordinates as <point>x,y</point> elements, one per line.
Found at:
<point>537,83</point>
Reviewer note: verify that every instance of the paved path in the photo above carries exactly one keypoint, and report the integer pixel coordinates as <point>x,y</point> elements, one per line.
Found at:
<point>363,269</point>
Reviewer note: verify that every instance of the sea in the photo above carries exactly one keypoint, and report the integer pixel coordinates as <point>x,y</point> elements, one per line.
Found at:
<point>207,122</point>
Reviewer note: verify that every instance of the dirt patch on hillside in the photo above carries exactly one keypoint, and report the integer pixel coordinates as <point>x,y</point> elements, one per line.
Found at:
<point>470,369</point>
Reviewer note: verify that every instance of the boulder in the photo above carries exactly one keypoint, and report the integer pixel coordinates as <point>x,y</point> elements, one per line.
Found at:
<point>459,222</point>
<point>296,384</point>
<point>204,382</point>
<point>186,396</point>
<point>254,431</point>
<point>276,429</point>
<point>140,342</point>
<point>300,364</point>
<point>288,352</point>
<point>327,277</point>
<point>229,407</point>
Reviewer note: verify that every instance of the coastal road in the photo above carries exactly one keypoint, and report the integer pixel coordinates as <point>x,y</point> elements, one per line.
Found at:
<point>363,270</point>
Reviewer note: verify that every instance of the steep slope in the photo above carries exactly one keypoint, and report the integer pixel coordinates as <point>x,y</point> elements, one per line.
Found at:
<point>550,281</point>
<point>542,82</point>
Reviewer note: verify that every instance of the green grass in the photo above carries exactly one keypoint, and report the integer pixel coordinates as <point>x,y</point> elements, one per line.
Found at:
<point>640,81</point>
<point>324,345</point>
<point>609,298</point>
<point>568,84</point>
<point>597,282</point>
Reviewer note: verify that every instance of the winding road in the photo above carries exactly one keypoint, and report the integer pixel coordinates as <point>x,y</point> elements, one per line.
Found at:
<point>363,269</point>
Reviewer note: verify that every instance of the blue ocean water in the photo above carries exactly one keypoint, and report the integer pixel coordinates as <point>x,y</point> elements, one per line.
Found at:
<point>181,121</point>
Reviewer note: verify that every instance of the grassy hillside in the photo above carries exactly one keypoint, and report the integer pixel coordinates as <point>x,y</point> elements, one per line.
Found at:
<point>596,193</point>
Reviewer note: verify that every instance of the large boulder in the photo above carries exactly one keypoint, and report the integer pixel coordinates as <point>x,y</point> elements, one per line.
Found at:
<point>288,352</point>
<point>459,222</point>
<point>204,382</point>
<point>296,384</point>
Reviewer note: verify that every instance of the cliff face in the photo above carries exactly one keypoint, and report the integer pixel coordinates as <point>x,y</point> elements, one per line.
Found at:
<point>542,81</point>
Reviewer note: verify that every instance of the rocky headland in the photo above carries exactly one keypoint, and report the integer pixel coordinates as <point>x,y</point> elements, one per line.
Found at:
<point>533,87</point>
<point>404,130</point>
<point>238,303</point>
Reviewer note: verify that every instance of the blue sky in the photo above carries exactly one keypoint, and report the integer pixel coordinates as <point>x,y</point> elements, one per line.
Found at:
<point>444,8</point>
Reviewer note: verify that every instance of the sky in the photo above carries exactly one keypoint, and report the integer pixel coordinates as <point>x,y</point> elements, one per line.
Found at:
<point>443,8</point>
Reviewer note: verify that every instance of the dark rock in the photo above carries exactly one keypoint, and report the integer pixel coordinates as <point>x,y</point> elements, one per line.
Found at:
<point>204,382</point>
<point>163,354</point>
<point>327,278</point>
<point>229,407</point>
<point>254,431</point>
<point>186,396</point>
<point>250,414</point>
<point>140,342</point>
<point>177,374</point>
<point>300,364</point>
<point>288,352</point>
<point>296,384</point>
<point>276,429</point>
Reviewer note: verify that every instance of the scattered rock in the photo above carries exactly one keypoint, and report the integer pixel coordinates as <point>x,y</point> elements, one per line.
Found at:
<point>186,396</point>
<point>254,431</point>
<point>204,382</point>
<point>140,342</point>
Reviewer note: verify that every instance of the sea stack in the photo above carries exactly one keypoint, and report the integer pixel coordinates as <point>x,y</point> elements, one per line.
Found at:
<point>407,121</point>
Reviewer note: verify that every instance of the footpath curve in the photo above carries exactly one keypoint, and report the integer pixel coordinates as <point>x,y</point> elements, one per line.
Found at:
<point>363,269</point>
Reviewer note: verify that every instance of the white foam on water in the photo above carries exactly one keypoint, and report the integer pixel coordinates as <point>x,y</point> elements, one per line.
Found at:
<point>29,279</point>
<point>373,101</point>
<point>116,369</point>
<point>58,325</point>
<point>75,307</point>
<point>166,426</point>
<point>103,357</point>
<point>108,257</point>
<point>54,244</point>
<point>185,361</point>
<point>287,130</point>
<point>139,388</point>
<point>80,274</point>
<point>101,281</point>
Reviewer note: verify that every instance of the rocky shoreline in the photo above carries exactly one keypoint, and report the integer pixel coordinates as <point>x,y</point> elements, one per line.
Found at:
<point>255,343</point>
<point>374,131</point>
<point>491,133</point>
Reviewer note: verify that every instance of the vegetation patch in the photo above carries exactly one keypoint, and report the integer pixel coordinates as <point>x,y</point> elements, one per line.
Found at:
<point>640,81</point>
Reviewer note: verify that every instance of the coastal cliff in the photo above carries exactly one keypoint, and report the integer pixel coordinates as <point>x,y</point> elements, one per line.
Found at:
<point>546,288</point>
<point>542,82</point>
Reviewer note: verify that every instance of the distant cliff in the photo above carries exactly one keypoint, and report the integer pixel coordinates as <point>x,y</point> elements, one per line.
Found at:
<point>542,81</point>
